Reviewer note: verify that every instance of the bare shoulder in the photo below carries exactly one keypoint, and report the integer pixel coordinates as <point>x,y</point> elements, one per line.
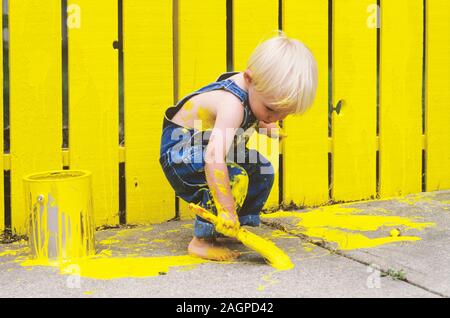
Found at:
<point>230,106</point>
<point>219,100</point>
<point>227,98</point>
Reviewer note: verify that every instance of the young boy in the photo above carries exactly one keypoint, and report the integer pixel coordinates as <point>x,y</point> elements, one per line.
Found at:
<point>203,153</point>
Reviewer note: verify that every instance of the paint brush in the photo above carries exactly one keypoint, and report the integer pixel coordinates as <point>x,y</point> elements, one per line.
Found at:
<point>267,249</point>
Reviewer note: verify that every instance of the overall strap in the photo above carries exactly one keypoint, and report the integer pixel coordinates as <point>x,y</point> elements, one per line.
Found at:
<point>222,83</point>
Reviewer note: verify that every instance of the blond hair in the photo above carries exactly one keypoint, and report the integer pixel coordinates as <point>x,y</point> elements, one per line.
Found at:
<point>284,69</point>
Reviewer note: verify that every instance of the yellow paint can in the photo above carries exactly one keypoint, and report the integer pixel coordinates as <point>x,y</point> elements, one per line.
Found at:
<point>60,223</point>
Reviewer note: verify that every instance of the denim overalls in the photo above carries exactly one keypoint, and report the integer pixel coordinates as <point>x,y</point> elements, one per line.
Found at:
<point>182,160</point>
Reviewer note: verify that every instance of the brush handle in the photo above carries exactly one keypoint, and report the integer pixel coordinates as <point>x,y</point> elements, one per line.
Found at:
<point>203,213</point>
<point>274,256</point>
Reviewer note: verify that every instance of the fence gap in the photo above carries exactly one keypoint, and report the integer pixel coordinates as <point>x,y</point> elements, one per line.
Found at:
<point>280,156</point>
<point>122,180</point>
<point>65,77</point>
<point>230,30</point>
<point>377,164</point>
<point>330,96</point>
<point>6,126</point>
<point>175,33</point>
<point>5,39</point>
<point>424,93</point>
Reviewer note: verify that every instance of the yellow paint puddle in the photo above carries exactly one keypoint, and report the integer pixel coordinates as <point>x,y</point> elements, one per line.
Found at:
<point>119,267</point>
<point>345,226</point>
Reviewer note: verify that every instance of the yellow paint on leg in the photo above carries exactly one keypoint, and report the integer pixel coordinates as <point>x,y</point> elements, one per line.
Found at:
<point>239,188</point>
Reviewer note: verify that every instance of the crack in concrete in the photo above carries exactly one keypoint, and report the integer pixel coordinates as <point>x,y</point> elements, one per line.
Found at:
<point>323,244</point>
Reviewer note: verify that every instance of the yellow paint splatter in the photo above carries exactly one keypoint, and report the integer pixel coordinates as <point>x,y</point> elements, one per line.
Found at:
<point>207,118</point>
<point>269,281</point>
<point>105,253</point>
<point>239,188</point>
<point>412,199</point>
<point>341,225</point>
<point>188,105</point>
<point>109,242</point>
<point>219,175</point>
<point>308,247</point>
<point>159,241</point>
<point>113,268</point>
<point>281,234</point>
<point>14,252</point>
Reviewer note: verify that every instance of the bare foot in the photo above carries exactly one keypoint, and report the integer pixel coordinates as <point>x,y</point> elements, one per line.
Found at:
<point>207,249</point>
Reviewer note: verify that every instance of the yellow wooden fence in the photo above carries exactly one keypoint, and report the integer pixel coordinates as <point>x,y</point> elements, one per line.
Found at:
<point>387,76</point>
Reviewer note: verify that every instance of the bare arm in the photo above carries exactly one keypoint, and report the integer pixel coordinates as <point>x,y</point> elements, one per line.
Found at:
<point>228,118</point>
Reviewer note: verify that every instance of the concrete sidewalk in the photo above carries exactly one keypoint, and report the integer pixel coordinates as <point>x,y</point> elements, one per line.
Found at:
<point>328,245</point>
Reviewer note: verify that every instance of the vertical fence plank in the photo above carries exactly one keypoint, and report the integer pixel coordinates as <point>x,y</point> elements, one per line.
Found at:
<point>354,82</point>
<point>438,96</point>
<point>305,153</point>
<point>93,101</point>
<point>202,49</point>
<point>36,95</point>
<point>255,21</point>
<point>400,97</point>
<point>2,175</point>
<point>148,92</point>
